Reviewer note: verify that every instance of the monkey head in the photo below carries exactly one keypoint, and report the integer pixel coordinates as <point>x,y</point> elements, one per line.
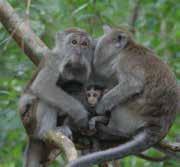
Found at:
<point>93,94</point>
<point>108,49</point>
<point>75,48</point>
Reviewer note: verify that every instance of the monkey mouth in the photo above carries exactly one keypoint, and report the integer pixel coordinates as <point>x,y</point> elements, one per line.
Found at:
<point>75,67</point>
<point>75,71</point>
<point>71,86</point>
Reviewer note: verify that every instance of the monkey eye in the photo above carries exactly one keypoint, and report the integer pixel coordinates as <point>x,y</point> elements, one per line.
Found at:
<point>84,43</point>
<point>88,95</point>
<point>94,95</point>
<point>74,42</point>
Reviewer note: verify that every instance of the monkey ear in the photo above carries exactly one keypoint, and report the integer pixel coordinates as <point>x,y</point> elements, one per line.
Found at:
<point>107,29</point>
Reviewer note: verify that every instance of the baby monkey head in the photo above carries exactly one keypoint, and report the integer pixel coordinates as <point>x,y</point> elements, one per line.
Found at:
<point>76,49</point>
<point>94,94</point>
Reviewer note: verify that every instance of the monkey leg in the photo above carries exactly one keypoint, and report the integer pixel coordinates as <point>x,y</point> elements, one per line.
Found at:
<point>139,143</point>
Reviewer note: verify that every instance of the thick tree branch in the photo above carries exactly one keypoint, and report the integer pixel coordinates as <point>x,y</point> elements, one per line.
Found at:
<point>21,32</point>
<point>64,143</point>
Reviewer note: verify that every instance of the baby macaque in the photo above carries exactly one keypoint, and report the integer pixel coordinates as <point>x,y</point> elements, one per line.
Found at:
<point>93,94</point>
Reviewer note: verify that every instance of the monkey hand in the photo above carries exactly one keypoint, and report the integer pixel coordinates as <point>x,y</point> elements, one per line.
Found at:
<point>92,124</point>
<point>82,123</point>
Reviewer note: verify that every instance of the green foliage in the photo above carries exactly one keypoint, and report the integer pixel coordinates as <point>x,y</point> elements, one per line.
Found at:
<point>157,27</point>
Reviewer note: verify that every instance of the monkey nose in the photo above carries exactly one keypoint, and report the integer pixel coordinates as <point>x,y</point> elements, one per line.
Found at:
<point>76,59</point>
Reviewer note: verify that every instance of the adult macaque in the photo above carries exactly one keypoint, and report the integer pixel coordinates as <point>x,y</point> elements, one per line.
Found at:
<point>142,97</point>
<point>69,61</point>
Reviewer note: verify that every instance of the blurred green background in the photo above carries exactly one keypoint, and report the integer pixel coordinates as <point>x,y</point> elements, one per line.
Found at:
<point>157,26</point>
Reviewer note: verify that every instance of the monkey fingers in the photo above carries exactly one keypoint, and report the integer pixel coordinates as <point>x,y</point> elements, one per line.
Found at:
<point>92,124</point>
<point>99,119</point>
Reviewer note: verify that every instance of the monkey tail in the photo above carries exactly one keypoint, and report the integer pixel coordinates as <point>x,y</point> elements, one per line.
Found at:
<point>34,154</point>
<point>142,141</point>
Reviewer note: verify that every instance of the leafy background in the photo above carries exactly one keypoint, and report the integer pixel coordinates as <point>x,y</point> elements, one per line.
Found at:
<point>157,27</point>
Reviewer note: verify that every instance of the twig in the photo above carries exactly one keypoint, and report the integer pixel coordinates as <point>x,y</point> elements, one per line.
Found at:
<point>27,12</point>
<point>153,159</point>
<point>134,16</point>
<point>170,149</point>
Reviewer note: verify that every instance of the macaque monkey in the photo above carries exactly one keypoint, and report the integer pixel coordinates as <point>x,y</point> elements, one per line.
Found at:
<point>43,100</point>
<point>93,94</point>
<point>142,97</point>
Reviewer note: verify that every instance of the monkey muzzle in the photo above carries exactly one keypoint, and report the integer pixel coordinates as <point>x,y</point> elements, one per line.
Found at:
<point>75,71</point>
<point>76,60</point>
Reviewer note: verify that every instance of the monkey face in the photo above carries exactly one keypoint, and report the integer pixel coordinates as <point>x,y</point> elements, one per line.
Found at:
<point>93,96</point>
<point>108,49</point>
<point>78,56</point>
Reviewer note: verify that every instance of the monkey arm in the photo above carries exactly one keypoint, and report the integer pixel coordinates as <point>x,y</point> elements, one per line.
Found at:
<point>44,87</point>
<point>120,93</point>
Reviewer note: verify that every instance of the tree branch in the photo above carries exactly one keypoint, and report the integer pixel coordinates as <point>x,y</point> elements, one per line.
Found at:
<point>134,16</point>
<point>153,159</point>
<point>170,149</point>
<point>32,46</point>
<point>64,143</point>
